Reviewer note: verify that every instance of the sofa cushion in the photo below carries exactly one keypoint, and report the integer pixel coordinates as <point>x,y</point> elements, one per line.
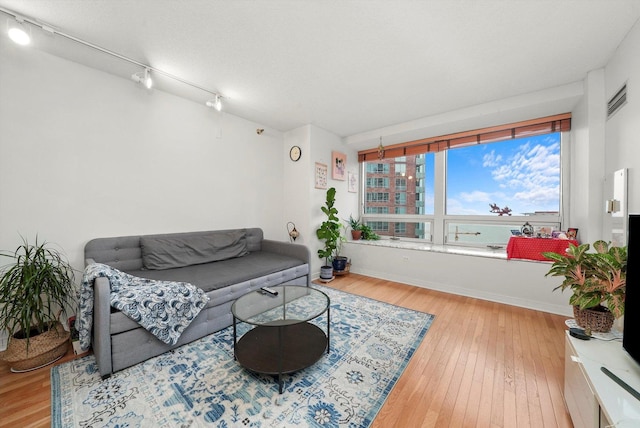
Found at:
<point>211,276</point>
<point>168,252</point>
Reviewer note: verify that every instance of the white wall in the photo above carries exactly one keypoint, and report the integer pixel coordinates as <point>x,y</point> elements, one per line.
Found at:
<point>305,200</point>
<point>587,173</point>
<point>623,129</point>
<point>598,148</point>
<point>86,154</point>
<point>514,282</point>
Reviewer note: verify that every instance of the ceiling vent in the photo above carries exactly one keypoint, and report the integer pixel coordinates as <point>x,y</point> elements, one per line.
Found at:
<point>617,101</point>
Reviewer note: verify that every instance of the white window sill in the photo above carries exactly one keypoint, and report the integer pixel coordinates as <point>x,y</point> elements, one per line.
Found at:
<point>499,253</point>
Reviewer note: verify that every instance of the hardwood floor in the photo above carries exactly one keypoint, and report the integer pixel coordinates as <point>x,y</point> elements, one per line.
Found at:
<point>481,364</point>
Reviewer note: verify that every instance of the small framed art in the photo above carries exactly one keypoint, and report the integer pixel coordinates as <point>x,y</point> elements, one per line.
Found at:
<point>572,233</point>
<point>321,176</point>
<point>352,182</point>
<point>338,166</point>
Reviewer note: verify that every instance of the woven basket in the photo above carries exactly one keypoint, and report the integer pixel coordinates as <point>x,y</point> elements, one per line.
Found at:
<point>599,321</point>
<point>43,349</point>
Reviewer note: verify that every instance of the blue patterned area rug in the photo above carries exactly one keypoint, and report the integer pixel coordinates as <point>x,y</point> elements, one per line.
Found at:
<point>200,384</point>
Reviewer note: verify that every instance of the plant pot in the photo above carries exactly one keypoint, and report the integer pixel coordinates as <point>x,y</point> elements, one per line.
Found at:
<point>598,319</point>
<point>339,263</point>
<point>43,349</point>
<point>326,272</point>
<point>356,235</point>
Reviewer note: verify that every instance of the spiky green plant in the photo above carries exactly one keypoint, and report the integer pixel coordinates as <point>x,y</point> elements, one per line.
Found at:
<point>33,289</point>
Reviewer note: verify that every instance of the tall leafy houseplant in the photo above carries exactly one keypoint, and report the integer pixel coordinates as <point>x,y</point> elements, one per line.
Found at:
<point>596,278</point>
<point>34,288</point>
<point>329,232</point>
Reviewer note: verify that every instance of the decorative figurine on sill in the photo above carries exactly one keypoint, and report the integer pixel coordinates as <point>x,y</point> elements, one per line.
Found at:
<point>527,229</point>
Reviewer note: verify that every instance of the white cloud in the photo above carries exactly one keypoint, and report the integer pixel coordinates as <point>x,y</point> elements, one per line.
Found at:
<point>532,173</point>
<point>491,159</point>
<point>523,175</point>
<point>475,196</point>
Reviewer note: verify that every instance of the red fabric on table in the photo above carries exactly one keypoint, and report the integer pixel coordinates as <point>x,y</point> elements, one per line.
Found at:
<point>521,247</point>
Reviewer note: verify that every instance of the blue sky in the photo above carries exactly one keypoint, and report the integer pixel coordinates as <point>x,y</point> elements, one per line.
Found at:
<point>523,174</point>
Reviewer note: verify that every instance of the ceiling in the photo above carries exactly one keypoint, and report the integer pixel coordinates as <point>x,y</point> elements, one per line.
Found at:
<point>349,67</point>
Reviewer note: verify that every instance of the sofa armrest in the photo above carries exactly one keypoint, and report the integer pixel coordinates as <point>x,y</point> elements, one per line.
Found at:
<point>285,248</point>
<point>102,326</point>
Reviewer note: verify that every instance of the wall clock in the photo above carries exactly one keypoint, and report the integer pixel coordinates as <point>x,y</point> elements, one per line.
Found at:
<point>295,153</point>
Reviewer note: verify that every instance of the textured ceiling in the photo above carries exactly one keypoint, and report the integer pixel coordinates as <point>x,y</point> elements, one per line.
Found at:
<point>346,66</point>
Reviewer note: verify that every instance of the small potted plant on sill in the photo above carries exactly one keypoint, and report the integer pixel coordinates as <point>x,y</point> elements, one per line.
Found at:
<point>368,234</point>
<point>356,228</point>
<point>329,232</point>
<point>597,280</point>
<point>34,290</point>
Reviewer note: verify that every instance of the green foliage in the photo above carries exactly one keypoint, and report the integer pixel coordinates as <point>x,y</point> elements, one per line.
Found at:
<point>33,289</point>
<point>368,233</point>
<point>354,224</point>
<point>594,278</point>
<point>342,238</point>
<point>329,230</point>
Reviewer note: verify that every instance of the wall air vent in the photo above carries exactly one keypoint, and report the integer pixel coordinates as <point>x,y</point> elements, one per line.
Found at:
<point>617,101</point>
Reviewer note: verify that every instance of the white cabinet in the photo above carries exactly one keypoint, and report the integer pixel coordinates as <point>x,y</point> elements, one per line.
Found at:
<point>593,399</point>
<point>578,395</point>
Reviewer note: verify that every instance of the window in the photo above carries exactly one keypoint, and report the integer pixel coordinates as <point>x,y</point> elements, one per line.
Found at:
<point>378,182</point>
<point>513,177</point>
<point>378,168</point>
<point>379,226</point>
<point>413,197</point>
<point>486,185</point>
<point>377,197</point>
<point>376,210</point>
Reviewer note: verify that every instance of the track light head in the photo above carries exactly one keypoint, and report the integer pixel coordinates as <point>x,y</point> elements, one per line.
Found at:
<point>145,78</point>
<point>215,103</point>
<point>18,32</point>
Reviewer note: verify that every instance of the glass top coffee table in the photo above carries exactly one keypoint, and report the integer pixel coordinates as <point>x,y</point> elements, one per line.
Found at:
<point>282,340</point>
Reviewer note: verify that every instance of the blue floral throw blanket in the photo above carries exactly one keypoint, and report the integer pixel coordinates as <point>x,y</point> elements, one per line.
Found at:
<point>164,308</point>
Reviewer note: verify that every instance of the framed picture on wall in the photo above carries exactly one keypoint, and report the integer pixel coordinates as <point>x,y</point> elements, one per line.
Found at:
<point>352,182</point>
<point>338,166</point>
<point>321,175</point>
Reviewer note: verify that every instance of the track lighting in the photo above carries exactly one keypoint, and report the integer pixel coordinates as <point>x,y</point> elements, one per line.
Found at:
<point>215,103</point>
<point>144,79</point>
<point>18,32</point>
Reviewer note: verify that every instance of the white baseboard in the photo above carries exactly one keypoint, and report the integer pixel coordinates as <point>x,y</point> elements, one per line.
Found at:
<point>564,310</point>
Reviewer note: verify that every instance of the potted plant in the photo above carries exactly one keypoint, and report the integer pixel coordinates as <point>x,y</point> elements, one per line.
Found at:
<point>329,232</point>
<point>368,234</point>
<point>339,263</point>
<point>356,228</point>
<point>597,280</point>
<point>34,289</point>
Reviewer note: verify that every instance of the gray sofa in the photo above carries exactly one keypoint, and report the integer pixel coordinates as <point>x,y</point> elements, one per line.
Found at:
<point>225,264</point>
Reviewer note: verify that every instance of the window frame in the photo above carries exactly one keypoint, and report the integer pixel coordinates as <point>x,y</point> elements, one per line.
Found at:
<point>439,220</point>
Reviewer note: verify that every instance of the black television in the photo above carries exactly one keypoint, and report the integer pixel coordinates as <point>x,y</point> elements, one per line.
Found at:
<point>631,333</point>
